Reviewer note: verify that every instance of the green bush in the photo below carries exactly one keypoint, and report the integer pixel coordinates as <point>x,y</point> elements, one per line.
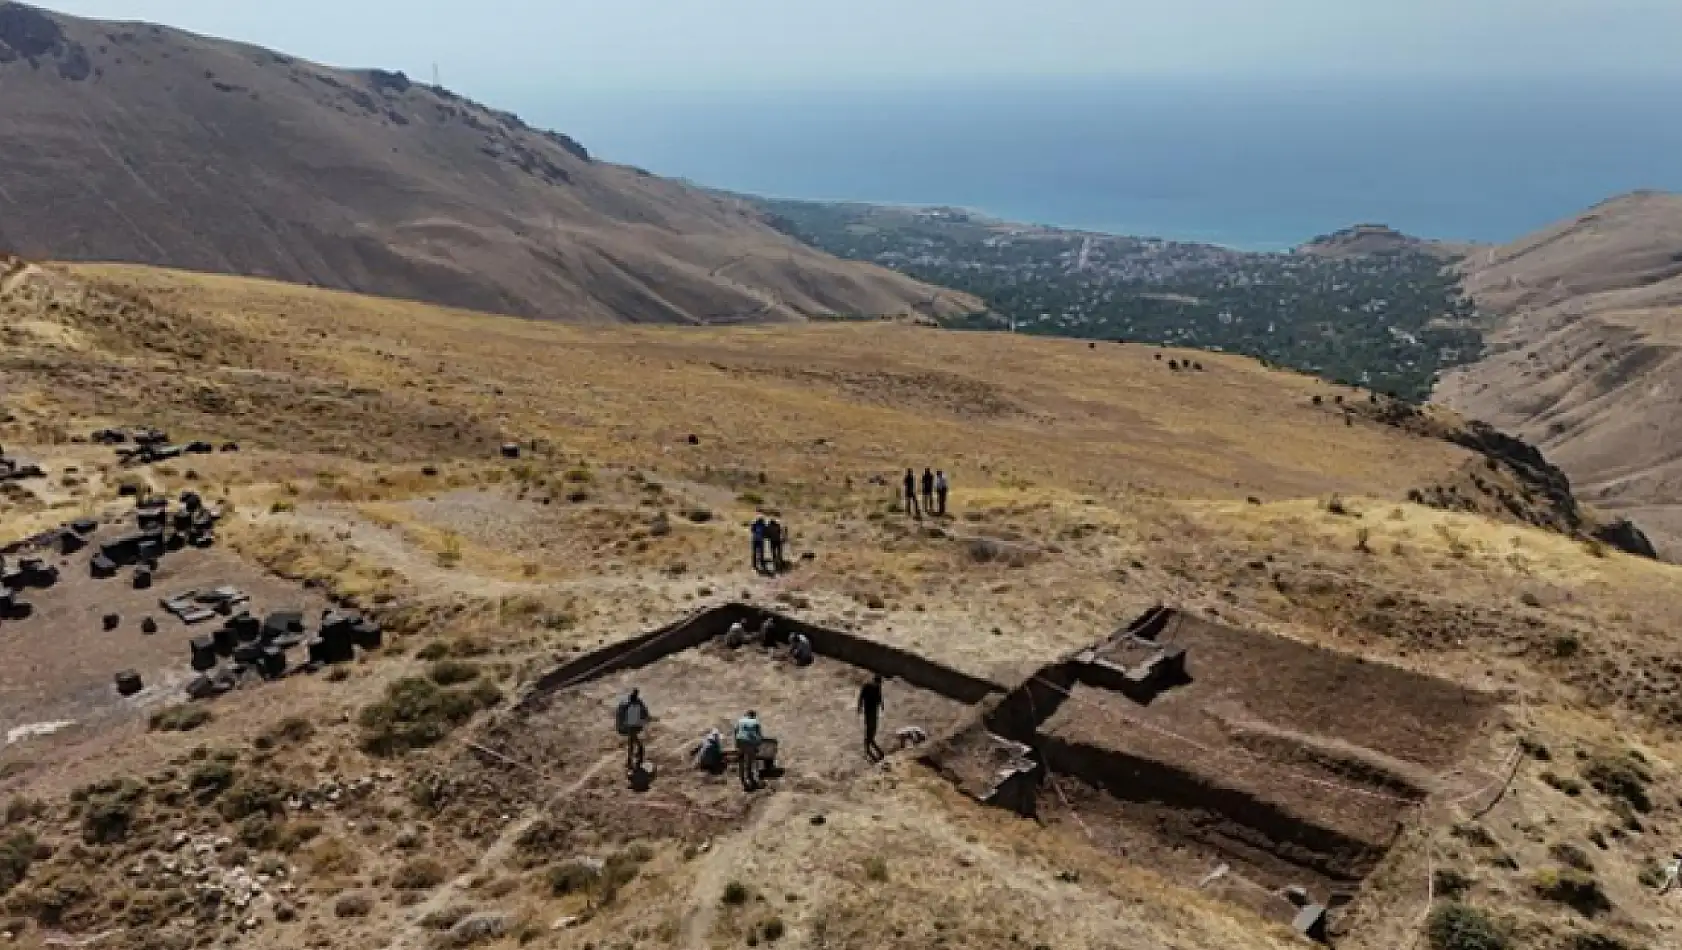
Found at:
<point>876,869</point>
<point>1622,778</point>
<point>260,795</point>
<point>1571,856</point>
<point>211,779</point>
<point>1597,940</point>
<point>111,810</point>
<point>452,672</point>
<point>1457,926</point>
<point>1569,786</point>
<point>572,877</point>
<point>418,875</point>
<point>436,650</point>
<point>1578,890</point>
<point>259,831</point>
<point>735,894</point>
<point>17,852</point>
<point>417,713</point>
<point>1450,882</point>
<point>183,718</point>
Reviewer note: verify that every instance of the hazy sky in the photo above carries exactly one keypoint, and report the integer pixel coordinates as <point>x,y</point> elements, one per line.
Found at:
<point>490,47</point>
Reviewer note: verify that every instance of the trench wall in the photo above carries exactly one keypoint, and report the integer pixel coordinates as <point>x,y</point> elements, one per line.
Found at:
<point>1224,818</point>
<point>704,625</point>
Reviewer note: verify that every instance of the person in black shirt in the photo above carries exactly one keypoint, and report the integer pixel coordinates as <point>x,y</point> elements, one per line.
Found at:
<point>774,538</point>
<point>928,491</point>
<point>870,706</point>
<point>911,494</point>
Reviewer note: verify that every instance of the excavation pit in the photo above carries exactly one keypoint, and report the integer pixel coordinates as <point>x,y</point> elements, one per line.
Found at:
<point>563,734</point>
<point>1188,746</point>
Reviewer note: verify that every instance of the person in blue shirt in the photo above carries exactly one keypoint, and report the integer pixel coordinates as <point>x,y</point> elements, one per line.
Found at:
<point>748,736</point>
<point>759,531</point>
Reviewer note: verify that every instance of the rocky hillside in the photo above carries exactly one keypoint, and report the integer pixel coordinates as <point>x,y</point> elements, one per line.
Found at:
<point>135,142</point>
<point>1368,240</point>
<point>1585,361</point>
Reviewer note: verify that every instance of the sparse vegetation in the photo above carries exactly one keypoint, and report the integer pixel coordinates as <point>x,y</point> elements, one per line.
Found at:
<point>1566,784</point>
<point>1620,777</point>
<point>353,904</point>
<point>417,713</point>
<point>1457,926</point>
<point>876,868</point>
<point>253,795</point>
<point>181,718</point>
<point>17,852</point>
<point>1579,890</point>
<point>291,730</point>
<point>418,874</point>
<point>1450,882</point>
<point>452,672</point>
<point>735,894</point>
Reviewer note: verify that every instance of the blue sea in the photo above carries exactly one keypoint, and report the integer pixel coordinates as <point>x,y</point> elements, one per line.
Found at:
<point>1256,165</point>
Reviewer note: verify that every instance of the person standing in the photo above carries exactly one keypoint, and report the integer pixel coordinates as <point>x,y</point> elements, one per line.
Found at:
<point>911,495</point>
<point>928,491</point>
<point>774,541</point>
<point>748,736</point>
<point>630,718</point>
<point>940,488</point>
<point>759,530</point>
<point>870,707</point>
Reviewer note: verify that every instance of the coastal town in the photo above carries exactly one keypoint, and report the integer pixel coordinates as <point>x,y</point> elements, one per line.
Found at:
<point>1391,320</point>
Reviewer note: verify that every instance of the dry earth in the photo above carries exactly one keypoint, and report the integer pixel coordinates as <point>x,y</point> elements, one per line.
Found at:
<point>1089,483</point>
<point>1585,360</point>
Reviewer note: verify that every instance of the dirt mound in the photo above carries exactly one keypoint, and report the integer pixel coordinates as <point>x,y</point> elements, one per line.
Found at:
<point>365,180</point>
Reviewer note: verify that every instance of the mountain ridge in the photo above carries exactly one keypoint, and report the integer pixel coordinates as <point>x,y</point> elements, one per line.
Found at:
<point>1586,353</point>
<point>224,157</point>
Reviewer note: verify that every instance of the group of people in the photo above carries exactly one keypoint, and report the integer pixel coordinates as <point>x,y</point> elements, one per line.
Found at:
<point>768,539</point>
<point>632,716</point>
<point>934,487</point>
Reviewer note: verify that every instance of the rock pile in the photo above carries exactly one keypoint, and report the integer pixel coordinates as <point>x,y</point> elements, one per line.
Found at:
<point>232,894</point>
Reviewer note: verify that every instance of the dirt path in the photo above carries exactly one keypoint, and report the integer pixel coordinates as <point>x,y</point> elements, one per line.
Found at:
<point>719,865</point>
<point>421,568</point>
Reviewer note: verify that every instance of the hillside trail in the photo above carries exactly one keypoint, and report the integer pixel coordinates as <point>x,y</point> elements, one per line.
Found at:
<point>421,568</point>
<point>719,865</point>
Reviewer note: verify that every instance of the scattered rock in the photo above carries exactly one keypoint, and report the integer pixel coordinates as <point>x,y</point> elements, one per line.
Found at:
<point>479,927</point>
<point>111,621</point>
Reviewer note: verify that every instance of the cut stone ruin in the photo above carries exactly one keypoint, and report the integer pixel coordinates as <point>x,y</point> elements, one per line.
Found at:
<point>259,648</point>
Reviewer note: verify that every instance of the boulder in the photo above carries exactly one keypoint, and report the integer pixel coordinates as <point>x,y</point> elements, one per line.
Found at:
<point>111,621</point>
<point>142,579</point>
<point>148,625</point>
<point>102,566</point>
<point>128,683</point>
<point>204,653</point>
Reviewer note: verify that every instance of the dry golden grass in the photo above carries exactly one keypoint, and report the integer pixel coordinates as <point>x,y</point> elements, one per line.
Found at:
<point>370,433</point>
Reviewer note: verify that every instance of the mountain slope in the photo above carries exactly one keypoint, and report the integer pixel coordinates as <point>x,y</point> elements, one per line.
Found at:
<point>1588,359</point>
<point>139,143</point>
